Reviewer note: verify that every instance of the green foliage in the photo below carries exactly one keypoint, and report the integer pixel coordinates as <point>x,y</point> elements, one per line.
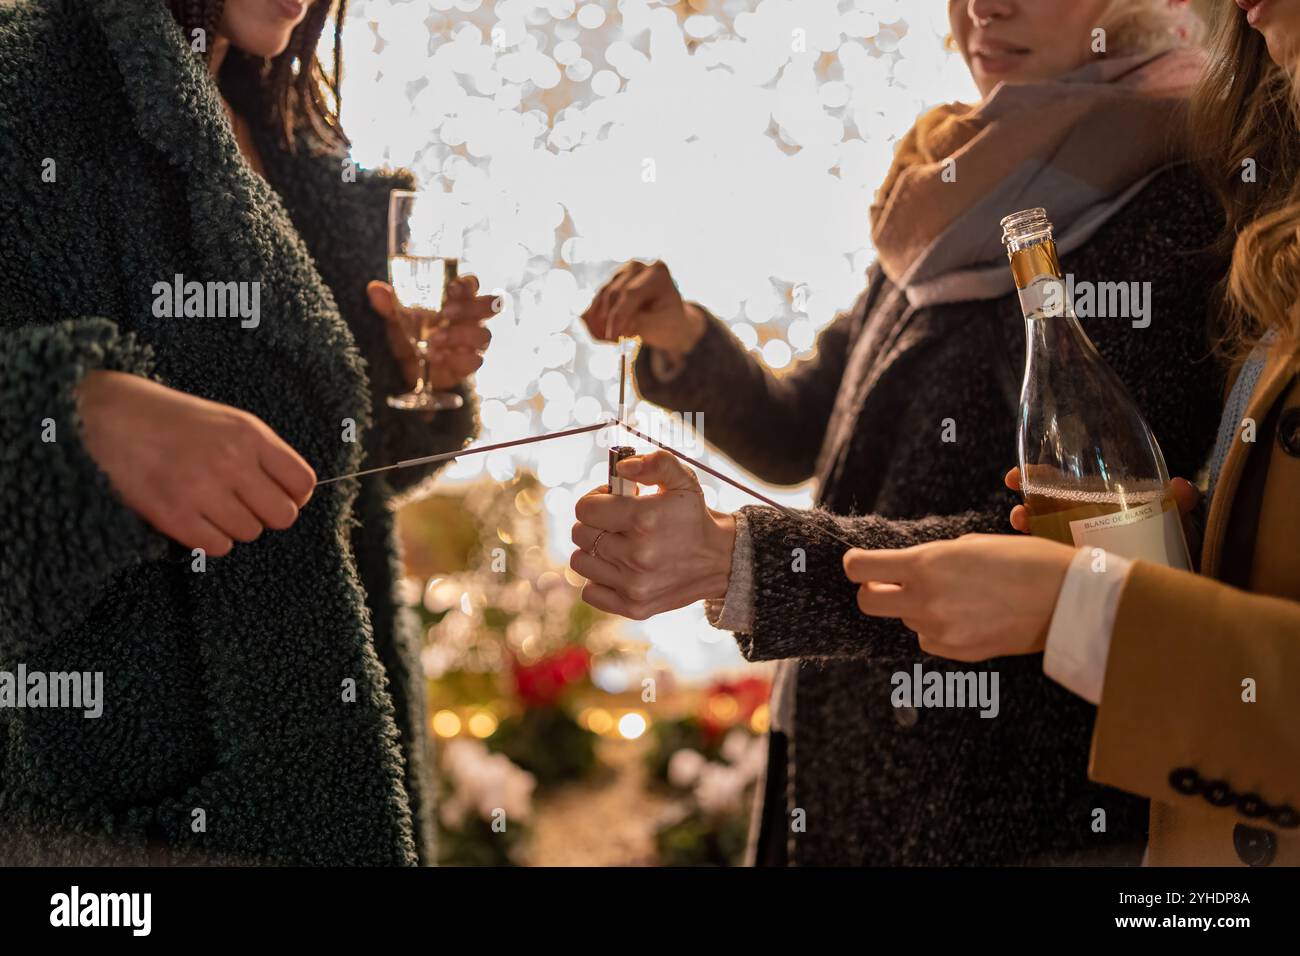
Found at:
<point>474,843</point>
<point>548,743</point>
<point>582,616</point>
<point>697,840</point>
<point>463,687</point>
<point>496,618</point>
<point>671,736</point>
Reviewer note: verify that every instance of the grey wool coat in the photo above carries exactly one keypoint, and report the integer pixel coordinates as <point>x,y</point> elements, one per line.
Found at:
<point>226,691</point>
<point>880,785</point>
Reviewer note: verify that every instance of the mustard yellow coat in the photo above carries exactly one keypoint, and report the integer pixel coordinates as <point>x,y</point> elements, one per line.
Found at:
<point>1200,709</point>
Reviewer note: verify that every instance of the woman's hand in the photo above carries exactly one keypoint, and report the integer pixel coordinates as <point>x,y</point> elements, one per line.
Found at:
<point>202,473</point>
<point>455,350</point>
<point>643,301</point>
<point>970,599</point>
<point>653,553</point>
<point>1186,494</point>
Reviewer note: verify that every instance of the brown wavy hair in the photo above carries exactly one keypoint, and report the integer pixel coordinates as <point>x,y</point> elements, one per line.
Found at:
<point>1246,117</point>
<point>292,94</point>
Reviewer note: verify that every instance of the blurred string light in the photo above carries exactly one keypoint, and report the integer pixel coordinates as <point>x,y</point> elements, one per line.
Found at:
<point>446,723</point>
<point>633,724</point>
<point>482,724</point>
<point>479,723</point>
<point>740,142</point>
<point>627,725</point>
<point>597,719</point>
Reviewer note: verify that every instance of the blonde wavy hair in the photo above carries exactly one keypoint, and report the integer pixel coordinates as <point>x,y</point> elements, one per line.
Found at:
<point>1246,133</point>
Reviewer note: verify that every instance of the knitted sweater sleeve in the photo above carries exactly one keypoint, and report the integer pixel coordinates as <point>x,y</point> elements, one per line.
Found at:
<point>805,606</point>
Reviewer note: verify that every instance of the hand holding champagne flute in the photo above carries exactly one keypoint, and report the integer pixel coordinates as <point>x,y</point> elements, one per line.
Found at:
<point>434,314</point>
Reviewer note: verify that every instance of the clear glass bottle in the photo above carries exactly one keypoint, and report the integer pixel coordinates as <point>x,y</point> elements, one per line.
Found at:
<point>1091,470</point>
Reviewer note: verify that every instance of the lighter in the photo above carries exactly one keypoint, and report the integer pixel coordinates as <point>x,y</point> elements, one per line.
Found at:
<point>617,485</point>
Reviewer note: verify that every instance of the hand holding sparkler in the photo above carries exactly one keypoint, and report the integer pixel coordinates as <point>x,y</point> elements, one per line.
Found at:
<point>642,301</point>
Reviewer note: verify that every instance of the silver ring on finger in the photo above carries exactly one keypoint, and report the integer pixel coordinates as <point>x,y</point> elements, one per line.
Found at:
<point>596,544</point>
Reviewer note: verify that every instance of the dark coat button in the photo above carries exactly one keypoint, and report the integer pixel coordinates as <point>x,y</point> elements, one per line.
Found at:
<point>1285,816</point>
<point>1255,847</point>
<point>1186,781</point>
<point>1288,432</point>
<point>1252,805</point>
<point>1219,794</point>
<point>906,716</point>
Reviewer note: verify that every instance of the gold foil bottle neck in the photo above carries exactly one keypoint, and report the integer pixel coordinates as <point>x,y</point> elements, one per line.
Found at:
<point>1028,237</point>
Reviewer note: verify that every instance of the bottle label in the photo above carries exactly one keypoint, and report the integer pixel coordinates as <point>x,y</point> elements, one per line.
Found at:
<point>1150,532</point>
<point>1044,297</point>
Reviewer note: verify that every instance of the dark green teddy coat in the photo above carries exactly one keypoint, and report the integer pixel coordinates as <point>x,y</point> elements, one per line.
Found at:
<point>224,690</point>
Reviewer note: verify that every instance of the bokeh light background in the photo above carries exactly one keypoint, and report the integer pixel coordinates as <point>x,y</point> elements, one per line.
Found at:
<point>740,142</point>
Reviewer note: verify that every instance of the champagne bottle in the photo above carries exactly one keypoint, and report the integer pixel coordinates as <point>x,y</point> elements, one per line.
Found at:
<point>1092,474</point>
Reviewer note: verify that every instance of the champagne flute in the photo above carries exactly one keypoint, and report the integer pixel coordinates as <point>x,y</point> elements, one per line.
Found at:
<point>424,248</point>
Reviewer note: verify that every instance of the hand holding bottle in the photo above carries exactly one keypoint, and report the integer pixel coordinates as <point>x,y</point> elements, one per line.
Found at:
<point>974,598</point>
<point>1185,493</point>
<point>1094,473</point>
<point>202,473</point>
<point>642,301</point>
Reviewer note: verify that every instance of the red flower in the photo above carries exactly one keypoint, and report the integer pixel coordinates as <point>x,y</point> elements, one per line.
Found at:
<point>728,704</point>
<point>542,683</point>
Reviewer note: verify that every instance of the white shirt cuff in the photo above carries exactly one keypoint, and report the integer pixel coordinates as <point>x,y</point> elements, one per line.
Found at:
<point>1078,640</point>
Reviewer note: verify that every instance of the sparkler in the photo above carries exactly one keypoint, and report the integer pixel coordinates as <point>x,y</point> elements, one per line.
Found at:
<point>472,450</point>
<point>619,422</point>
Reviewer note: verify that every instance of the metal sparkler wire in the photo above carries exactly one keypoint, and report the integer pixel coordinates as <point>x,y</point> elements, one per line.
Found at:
<point>498,446</point>
<point>788,512</point>
<point>472,450</point>
<point>618,422</point>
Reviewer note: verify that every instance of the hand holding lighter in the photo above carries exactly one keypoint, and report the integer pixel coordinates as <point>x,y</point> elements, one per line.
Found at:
<point>618,485</point>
